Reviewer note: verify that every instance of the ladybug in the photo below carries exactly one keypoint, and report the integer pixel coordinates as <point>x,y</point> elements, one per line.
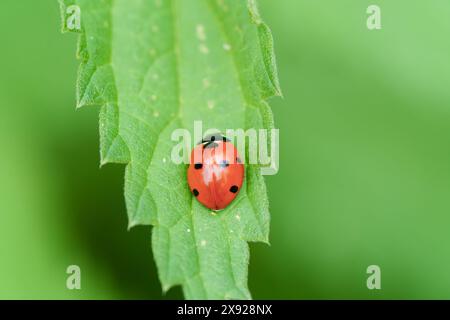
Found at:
<point>216,173</point>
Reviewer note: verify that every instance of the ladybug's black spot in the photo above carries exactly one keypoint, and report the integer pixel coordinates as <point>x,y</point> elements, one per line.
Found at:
<point>234,189</point>
<point>195,192</point>
<point>238,160</point>
<point>224,164</point>
<point>211,145</point>
<point>214,137</point>
<point>198,166</point>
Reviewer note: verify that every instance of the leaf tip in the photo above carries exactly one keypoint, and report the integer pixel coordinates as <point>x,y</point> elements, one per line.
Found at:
<point>166,288</point>
<point>267,49</point>
<point>132,223</point>
<point>278,91</point>
<point>103,162</point>
<point>139,220</point>
<point>254,12</point>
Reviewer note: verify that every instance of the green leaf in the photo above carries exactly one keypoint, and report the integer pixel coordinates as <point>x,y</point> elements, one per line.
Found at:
<point>158,65</point>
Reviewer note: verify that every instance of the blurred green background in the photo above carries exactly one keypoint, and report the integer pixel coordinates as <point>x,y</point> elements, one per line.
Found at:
<point>364,175</point>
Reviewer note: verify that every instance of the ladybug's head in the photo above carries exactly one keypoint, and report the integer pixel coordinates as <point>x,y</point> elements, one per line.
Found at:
<point>214,137</point>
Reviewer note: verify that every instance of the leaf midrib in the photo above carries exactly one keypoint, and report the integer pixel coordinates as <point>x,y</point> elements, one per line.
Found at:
<point>176,50</point>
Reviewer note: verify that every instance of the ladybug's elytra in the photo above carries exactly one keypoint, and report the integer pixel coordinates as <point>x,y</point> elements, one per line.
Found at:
<point>215,173</point>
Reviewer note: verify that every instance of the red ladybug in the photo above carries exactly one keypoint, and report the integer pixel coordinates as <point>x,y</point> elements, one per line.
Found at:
<point>216,173</point>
